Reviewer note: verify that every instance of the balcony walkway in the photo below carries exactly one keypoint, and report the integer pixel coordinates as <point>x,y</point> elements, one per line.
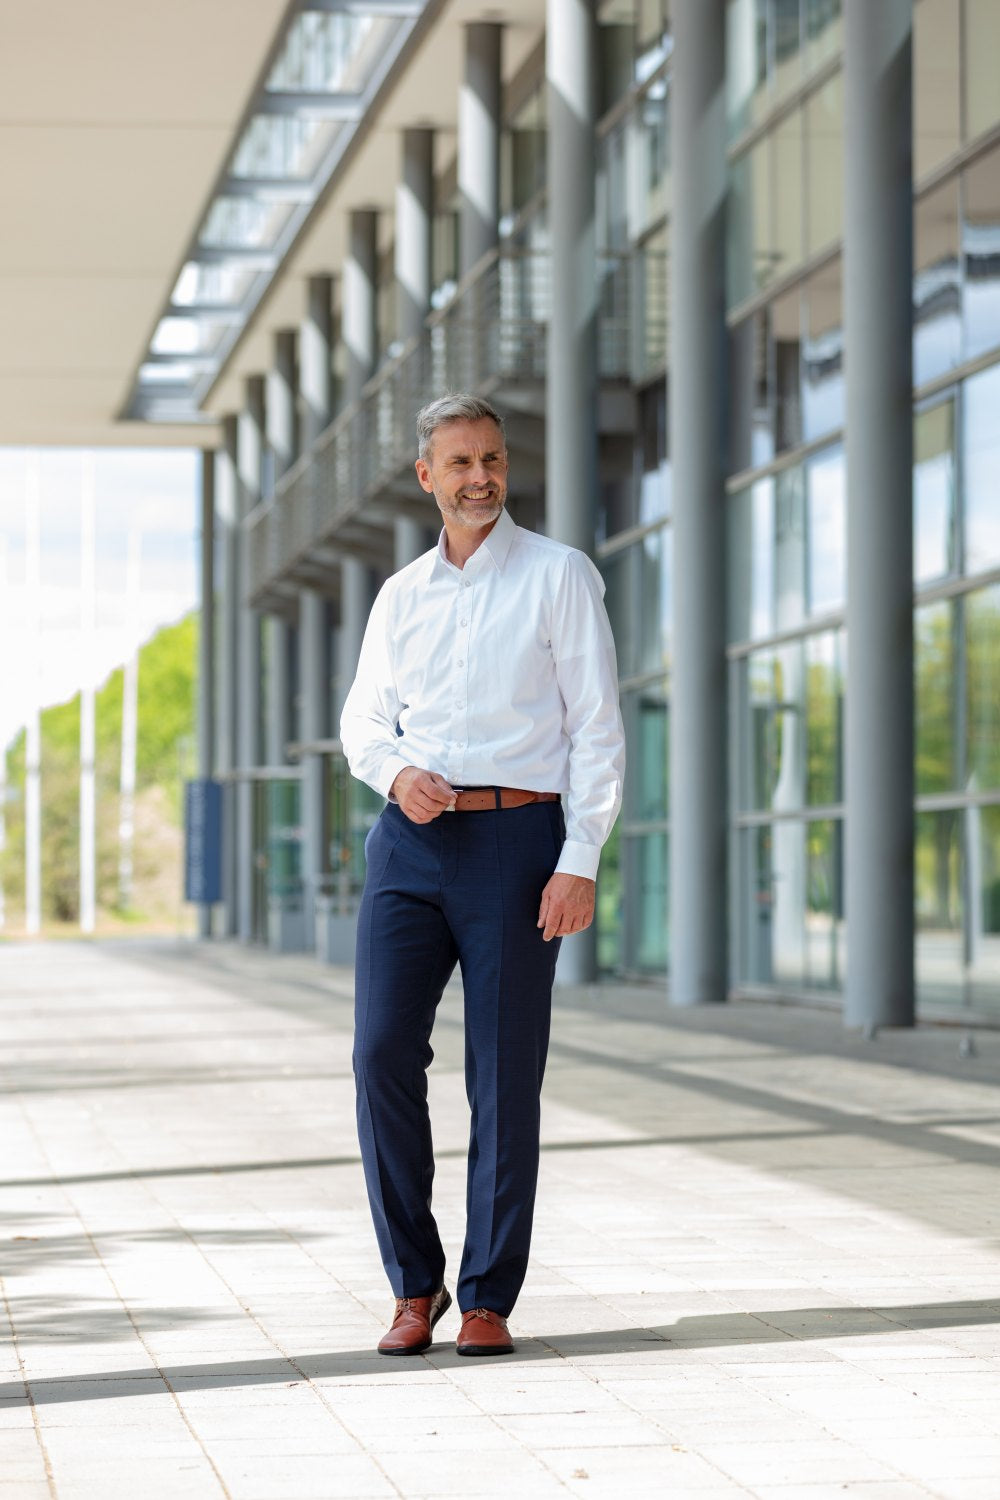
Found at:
<point>767,1258</point>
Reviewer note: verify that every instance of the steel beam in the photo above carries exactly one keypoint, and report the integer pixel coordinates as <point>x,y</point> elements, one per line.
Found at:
<point>311,104</point>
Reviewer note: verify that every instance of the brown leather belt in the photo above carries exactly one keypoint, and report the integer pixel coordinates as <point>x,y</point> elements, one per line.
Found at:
<point>490,798</point>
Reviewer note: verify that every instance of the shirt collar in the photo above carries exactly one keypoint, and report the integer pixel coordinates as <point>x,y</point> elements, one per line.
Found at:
<point>496,546</point>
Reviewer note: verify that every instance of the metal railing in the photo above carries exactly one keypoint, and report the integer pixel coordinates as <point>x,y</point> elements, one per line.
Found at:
<point>491,333</point>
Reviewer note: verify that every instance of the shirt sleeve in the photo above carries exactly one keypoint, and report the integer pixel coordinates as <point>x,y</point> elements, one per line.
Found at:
<point>371,710</point>
<point>587,673</point>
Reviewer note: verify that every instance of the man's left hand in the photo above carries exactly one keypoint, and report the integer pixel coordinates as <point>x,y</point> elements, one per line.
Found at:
<point>567,906</point>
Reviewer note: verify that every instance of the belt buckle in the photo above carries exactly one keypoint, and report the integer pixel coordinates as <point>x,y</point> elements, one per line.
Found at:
<point>456,790</point>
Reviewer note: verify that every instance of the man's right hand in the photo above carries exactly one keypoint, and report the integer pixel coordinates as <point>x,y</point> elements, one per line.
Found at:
<point>423,795</point>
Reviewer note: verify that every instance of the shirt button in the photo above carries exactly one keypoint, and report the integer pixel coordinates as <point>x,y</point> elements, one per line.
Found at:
<point>466,584</point>
<point>463,622</point>
<point>459,705</point>
<point>460,662</point>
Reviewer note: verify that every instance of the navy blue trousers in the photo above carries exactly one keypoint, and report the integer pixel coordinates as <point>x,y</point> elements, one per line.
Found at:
<point>463,889</point>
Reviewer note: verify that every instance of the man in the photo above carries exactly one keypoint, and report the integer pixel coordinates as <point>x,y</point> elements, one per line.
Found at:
<point>486,693</point>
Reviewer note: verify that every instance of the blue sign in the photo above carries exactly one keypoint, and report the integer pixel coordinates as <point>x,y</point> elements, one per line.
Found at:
<point>202,842</point>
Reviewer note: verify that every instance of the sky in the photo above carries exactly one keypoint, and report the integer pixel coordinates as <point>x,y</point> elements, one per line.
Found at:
<point>151,491</point>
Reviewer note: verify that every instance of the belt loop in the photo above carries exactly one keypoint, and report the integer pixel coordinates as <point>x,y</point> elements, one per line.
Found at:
<point>499,801</point>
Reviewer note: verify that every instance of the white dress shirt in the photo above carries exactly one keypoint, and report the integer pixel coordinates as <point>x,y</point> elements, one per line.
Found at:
<point>501,673</point>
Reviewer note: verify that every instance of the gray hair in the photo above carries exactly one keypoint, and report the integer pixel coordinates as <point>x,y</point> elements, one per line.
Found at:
<point>455,407</point>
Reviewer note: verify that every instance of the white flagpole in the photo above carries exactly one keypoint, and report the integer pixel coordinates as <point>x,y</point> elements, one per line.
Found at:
<point>88,739</point>
<point>33,728</point>
<point>130,727</point>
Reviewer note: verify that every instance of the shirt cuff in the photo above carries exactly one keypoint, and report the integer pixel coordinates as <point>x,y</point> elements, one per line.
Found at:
<point>579,859</point>
<point>388,771</point>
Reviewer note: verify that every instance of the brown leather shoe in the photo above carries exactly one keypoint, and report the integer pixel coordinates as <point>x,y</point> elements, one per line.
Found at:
<point>413,1321</point>
<point>484,1332</point>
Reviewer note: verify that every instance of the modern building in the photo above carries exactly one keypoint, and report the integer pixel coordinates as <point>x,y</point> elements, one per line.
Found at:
<point>732,272</point>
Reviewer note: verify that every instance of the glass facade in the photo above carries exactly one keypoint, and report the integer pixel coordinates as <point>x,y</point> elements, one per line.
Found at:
<point>787,552</point>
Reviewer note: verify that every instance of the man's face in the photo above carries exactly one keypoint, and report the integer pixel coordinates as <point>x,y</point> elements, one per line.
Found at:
<point>466,472</point>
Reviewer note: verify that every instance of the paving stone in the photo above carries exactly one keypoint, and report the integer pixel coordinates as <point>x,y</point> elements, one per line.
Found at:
<point>766,1259</point>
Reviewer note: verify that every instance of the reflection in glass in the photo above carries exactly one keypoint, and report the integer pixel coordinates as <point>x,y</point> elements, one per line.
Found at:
<point>775,703</point>
<point>789,549</point>
<point>785,319</point>
<point>981,254</point>
<point>937,292</point>
<point>937,877</point>
<point>749,248</point>
<point>934,670</point>
<point>654,560</point>
<point>651,146</point>
<point>609,914</point>
<point>934,491</point>
<point>936,74</point>
<point>645,714</point>
<point>649,857</point>
<point>824,919</point>
<point>981,469</point>
<point>773,860</point>
<point>654,466</point>
<point>619,599</point>
<point>788,235</point>
<point>650,262</point>
<point>827,528</point>
<point>746,63</point>
<point>284,841</point>
<point>751,434</point>
<point>823,354</point>
<point>982,651</point>
<point>824,718</point>
<point>982,76</point>
<point>983,845</point>
<point>751,562</point>
<point>825,170</point>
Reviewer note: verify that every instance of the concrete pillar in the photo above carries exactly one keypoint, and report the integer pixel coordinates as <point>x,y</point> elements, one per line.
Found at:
<point>878,256</point>
<point>316,359</point>
<point>314,679</point>
<point>410,540</point>
<point>280,435</point>
<point>479,144</point>
<point>414,231</point>
<point>249,452</point>
<point>571,464</point>
<point>227,532</point>
<point>360,320</point>
<point>360,336</point>
<point>698,925</point>
<point>316,385</point>
<point>206,646</point>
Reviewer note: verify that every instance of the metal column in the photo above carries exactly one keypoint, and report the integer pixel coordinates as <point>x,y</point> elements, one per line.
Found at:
<point>571,462</point>
<point>697,385</point>
<point>878,259</point>
<point>280,433</point>
<point>315,359</point>
<point>227,532</point>
<point>360,330</point>
<point>249,444</point>
<point>414,226</point>
<point>414,276</point>
<point>359,314</point>
<point>316,386</point>
<point>479,144</point>
<point>206,646</point>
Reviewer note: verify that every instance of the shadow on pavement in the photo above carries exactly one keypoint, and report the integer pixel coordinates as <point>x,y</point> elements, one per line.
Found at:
<point>787,1326</point>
